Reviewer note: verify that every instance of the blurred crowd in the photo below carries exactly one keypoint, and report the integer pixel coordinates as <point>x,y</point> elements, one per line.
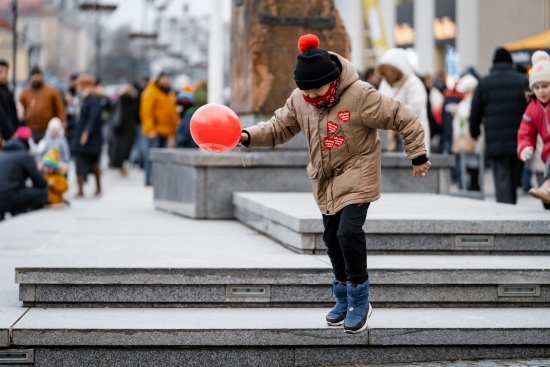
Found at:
<point>45,130</point>
<point>477,119</point>
<point>484,121</point>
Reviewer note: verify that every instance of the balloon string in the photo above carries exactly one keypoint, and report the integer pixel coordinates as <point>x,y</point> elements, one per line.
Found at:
<point>242,158</point>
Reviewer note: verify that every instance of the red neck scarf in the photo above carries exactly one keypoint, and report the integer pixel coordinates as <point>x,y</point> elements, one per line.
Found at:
<point>328,100</point>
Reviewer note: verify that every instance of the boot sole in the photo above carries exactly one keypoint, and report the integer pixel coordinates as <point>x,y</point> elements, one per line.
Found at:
<point>336,322</point>
<point>362,328</point>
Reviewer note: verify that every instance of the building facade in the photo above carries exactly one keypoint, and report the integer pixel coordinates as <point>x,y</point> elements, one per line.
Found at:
<point>440,34</point>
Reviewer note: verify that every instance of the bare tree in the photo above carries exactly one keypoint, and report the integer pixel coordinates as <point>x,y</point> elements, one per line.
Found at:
<point>121,62</point>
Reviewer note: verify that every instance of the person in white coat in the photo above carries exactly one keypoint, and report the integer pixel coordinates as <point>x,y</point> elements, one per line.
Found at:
<point>400,83</point>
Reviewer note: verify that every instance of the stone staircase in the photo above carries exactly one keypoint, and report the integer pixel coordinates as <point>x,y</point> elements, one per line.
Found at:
<point>123,285</point>
<point>404,224</point>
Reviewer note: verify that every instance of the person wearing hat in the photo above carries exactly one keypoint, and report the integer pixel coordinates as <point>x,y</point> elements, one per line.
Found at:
<point>8,112</point>
<point>73,106</point>
<point>498,103</point>
<point>159,117</point>
<point>400,82</point>
<point>463,144</point>
<point>54,173</point>
<point>16,166</point>
<point>41,102</point>
<point>536,121</point>
<point>340,115</point>
<point>88,138</point>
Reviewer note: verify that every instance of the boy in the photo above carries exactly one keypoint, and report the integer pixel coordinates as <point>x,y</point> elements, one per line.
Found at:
<point>340,115</point>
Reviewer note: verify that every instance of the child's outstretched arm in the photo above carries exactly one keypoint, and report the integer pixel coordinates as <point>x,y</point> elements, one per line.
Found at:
<point>278,130</point>
<point>385,113</point>
<point>527,138</point>
<point>381,112</point>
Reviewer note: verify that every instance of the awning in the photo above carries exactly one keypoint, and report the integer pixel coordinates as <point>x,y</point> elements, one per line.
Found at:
<point>537,42</point>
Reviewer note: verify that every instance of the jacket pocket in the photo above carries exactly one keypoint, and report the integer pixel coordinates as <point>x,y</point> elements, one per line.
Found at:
<point>312,173</point>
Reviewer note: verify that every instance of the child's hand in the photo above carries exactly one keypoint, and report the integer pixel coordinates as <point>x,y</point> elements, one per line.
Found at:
<point>526,153</point>
<point>51,182</point>
<point>422,169</point>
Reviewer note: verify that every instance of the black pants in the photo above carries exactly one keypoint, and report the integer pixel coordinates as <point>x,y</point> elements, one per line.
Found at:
<point>22,201</point>
<point>505,173</point>
<point>346,244</point>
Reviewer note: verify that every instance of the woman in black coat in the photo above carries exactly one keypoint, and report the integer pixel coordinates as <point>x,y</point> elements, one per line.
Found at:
<point>88,138</point>
<point>124,118</point>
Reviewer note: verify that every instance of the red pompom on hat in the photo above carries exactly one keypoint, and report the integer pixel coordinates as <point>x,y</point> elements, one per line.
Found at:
<point>314,66</point>
<point>308,41</point>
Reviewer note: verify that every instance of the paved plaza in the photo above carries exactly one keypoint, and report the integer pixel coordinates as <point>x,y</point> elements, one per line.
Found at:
<point>118,251</point>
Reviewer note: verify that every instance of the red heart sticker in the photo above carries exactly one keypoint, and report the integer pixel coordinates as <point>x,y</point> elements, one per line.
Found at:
<point>344,116</point>
<point>338,140</point>
<point>328,143</point>
<point>332,127</point>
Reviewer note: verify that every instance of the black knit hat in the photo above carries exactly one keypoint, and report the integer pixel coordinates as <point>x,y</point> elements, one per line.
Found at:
<point>502,55</point>
<point>314,67</point>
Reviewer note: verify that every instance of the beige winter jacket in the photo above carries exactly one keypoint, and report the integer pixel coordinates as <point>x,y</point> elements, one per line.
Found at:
<point>343,143</point>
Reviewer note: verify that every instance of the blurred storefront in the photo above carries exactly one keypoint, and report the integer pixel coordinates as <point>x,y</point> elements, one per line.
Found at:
<point>441,35</point>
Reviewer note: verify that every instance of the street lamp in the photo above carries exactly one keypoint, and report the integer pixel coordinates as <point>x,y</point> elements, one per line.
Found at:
<point>14,44</point>
<point>96,7</point>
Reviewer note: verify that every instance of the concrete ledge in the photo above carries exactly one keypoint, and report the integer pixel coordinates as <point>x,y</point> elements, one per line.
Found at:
<point>199,184</point>
<point>458,281</point>
<point>263,327</point>
<point>275,356</point>
<point>406,223</point>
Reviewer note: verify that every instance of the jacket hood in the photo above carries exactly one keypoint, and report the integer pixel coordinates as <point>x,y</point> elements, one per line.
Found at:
<point>16,144</point>
<point>348,75</point>
<point>396,57</point>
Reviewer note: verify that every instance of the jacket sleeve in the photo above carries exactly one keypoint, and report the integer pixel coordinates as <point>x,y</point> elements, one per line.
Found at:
<point>382,112</point>
<point>417,97</point>
<point>146,112</point>
<point>64,151</point>
<point>476,112</point>
<point>33,173</point>
<point>60,111</point>
<point>527,133</point>
<point>278,130</point>
<point>95,114</point>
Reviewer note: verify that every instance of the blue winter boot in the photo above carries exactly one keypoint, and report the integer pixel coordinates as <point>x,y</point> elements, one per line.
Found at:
<point>359,308</point>
<point>337,315</point>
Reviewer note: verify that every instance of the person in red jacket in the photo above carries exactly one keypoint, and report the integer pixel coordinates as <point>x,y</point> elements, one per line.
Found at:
<point>536,120</point>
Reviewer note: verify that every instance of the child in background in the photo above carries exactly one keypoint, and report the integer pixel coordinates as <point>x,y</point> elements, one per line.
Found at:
<point>55,137</point>
<point>536,120</point>
<point>55,176</point>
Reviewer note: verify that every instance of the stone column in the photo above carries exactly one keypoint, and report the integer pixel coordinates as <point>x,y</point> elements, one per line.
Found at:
<point>424,41</point>
<point>351,12</point>
<point>264,47</point>
<point>215,54</point>
<point>388,14</point>
<point>467,24</point>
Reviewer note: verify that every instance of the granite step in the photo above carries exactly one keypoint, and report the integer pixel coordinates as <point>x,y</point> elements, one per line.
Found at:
<point>404,224</point>
<point>397,281</point>
<point>273,337</point>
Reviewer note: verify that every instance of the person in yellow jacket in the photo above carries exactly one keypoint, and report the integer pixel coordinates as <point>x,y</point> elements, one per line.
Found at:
<point>55,176</point>
<point>159,117</point>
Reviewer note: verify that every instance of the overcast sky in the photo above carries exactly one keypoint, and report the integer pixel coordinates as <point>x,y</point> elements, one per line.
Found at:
<point>131,11</point>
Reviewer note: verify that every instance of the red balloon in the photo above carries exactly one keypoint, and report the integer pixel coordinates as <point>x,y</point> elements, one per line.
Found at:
<point>215,128</point>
